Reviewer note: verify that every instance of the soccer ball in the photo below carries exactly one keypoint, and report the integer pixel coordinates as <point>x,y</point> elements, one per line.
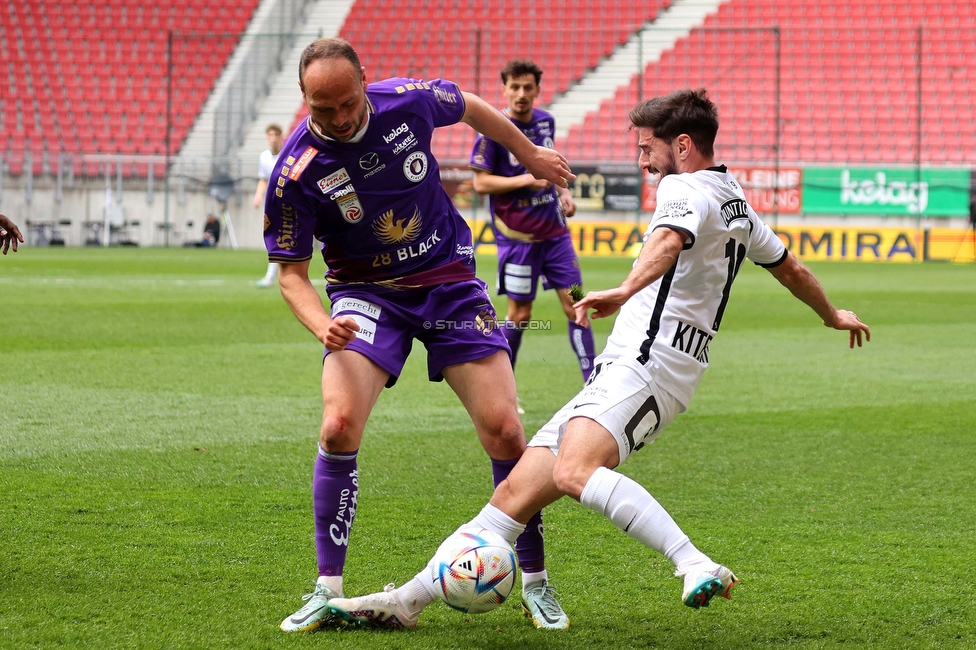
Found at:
<point>474,571</point>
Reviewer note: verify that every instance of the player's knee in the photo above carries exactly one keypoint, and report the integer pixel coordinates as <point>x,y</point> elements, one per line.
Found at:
<point>339,433</point>
<point>507,437</point>
<point>569,477</point>
<point>522,314</point>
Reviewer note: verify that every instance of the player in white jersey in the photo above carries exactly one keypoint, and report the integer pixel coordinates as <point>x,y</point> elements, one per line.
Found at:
<point>266,163</point>
<point>671,306</point>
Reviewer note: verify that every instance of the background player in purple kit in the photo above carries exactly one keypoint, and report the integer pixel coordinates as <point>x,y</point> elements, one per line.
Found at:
<point>528,217</point>
<point>359,177</point>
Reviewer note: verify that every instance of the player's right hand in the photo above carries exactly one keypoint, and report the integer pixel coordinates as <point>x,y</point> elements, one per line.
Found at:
<point>9,234</point>
<point>603,303</point>
<point>848,320</point>
<point>549,164</point>
<point>341,332</point>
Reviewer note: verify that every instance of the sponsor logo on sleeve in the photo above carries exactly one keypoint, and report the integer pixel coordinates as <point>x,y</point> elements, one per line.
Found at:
<point>278,192</point>
<point>673,209</point>
<point>286,233</point>
<point>444,96</point>
<point>285,170</point>
<point>302,163</point>
<point>281,181</point>
<point>415,166</point>
<point>333,180</point>
<point>290,160</point>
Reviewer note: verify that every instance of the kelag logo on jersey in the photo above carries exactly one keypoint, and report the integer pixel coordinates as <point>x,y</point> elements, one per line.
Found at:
<point>415,166</point>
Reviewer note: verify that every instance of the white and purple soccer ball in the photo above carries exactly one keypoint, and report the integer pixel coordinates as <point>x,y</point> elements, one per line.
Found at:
<point>474,571</point>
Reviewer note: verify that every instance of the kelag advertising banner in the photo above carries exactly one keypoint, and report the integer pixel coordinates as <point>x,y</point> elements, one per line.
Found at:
<point>885,191</point>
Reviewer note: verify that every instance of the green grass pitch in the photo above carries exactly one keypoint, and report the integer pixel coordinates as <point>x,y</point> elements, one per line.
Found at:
<point>158,422</point>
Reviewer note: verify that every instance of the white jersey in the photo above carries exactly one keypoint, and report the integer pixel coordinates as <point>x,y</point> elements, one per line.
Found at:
<point>668,325</point>
<point>266,163</point>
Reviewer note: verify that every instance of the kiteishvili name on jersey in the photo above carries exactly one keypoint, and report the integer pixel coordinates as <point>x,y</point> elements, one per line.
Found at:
<point>691,340</point>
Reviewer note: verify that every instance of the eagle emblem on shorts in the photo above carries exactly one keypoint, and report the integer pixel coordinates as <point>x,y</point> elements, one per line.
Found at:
<point>390,230</point>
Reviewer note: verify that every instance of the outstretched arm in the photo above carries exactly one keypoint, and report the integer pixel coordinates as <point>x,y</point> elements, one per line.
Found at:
<point>488,183</point>
<point>544,164</point>
<point>9,234</point>
<point>802,283</point>
<point>659,254</point>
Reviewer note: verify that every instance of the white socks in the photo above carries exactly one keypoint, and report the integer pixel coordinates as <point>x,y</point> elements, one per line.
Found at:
<point>416,594</point>
<point>332,582</point>
<point>633,510</point>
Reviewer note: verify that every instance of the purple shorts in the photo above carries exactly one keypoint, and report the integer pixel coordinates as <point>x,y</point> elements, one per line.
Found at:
<point>521,265</point>
<point>456,322</point>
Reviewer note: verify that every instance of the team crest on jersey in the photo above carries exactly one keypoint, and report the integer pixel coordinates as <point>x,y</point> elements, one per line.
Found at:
<point>302,163</point>
<point>415,167</point>
<point>398,231</point>
<point>333,180</point>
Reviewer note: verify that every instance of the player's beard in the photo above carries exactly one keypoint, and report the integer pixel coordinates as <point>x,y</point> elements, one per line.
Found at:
<point>355,129</point>
<point>671,167</point>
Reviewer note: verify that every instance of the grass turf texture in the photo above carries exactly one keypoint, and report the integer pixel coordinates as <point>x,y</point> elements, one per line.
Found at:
<point>158,432</point>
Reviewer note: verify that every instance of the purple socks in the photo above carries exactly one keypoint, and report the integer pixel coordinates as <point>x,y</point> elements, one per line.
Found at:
<point>335,490</point>
<point>529,546</point>
<point>581,338</point>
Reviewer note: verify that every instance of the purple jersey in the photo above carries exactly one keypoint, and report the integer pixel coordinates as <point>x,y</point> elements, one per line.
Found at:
<point>525,215</point>
<point>377,205</point>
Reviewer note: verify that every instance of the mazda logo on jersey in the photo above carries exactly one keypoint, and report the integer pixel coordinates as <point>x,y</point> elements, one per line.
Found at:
<point>369,160</point>
<point>415,166</point>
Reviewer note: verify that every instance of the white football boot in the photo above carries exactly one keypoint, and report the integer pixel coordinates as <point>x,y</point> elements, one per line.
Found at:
<point>704,581</point>
<point>540,605</point>
<point>382,609</point>
<point>314,614</point>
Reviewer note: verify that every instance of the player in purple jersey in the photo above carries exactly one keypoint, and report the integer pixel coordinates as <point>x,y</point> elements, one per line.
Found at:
<point>358,177</point>
<point>528,216</point>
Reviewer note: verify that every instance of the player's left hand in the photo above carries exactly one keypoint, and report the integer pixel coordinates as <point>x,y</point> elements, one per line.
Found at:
<point>848,320</point>
<point>549,164</point>
<point>603,303</point>
<point>9,235</point>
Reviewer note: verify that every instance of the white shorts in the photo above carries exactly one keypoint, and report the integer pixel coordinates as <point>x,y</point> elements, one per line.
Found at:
<point>623,398</point>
